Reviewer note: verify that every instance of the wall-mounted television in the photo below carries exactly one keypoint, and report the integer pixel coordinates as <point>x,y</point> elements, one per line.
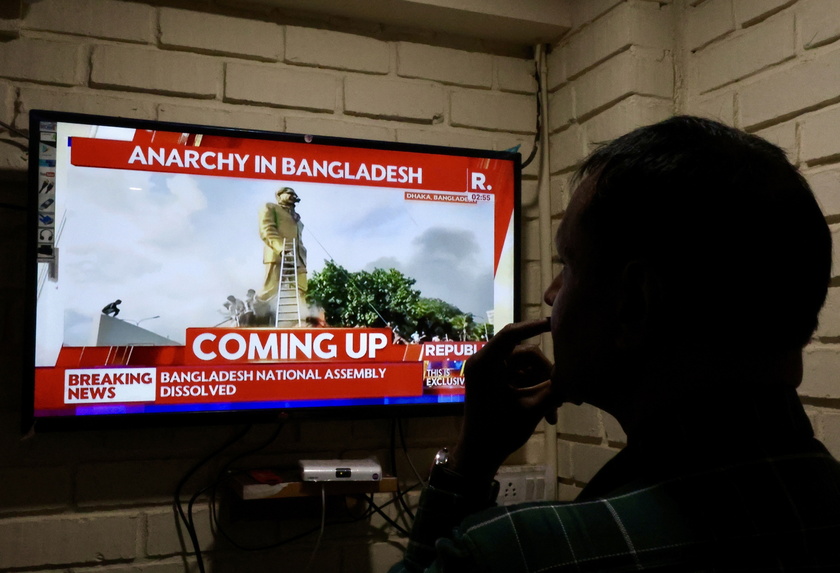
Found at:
<point>185,272</point>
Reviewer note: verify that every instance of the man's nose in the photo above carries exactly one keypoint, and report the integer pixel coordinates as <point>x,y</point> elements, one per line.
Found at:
<point>552,290</point>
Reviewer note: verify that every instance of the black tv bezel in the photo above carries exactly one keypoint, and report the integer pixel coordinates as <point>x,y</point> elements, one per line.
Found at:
<point>30,423</point>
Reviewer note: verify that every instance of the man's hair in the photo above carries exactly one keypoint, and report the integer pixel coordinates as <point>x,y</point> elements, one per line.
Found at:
<point>731,227</point>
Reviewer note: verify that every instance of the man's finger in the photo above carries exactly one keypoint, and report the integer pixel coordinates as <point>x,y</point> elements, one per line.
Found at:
<point>515,333</point>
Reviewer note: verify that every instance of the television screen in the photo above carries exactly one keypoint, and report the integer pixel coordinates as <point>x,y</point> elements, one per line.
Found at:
<point>188,269</point>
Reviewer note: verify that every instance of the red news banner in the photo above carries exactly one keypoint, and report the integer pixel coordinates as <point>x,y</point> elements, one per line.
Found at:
<point>422,176</point>
<point>254,365</point>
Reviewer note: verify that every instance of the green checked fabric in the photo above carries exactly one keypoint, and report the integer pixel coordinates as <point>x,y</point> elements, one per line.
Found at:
<point>768,500</point>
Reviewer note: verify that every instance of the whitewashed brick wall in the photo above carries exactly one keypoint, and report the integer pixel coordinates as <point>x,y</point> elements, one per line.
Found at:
<point>772,67</point>
<point>613,72</point>
<point>101,502</point>
<point>95,502</point>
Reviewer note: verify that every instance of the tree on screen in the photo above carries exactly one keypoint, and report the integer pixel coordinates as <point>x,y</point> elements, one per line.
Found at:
<point>387,298</point>
<point>374,299</point>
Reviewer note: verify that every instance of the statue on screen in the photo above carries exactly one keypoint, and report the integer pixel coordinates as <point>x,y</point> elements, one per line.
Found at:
<point>281,230</point>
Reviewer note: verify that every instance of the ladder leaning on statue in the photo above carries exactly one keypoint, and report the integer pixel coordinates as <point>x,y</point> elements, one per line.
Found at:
<point>288,298</point>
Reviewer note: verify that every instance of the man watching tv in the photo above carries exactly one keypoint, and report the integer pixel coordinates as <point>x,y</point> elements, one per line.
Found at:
<point>695,261</point>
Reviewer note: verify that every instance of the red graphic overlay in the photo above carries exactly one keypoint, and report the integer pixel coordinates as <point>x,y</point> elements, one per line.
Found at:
<point>443,365</point>
<point>168,152</point>
<point>261,159</point>
<point>266,383</point>
<point>255,345</point>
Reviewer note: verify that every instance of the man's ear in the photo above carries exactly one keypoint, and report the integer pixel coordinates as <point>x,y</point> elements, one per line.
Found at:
<point>638,303</point>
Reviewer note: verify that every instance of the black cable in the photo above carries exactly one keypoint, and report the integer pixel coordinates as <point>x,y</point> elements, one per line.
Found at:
<point>539,117</point>
<point>225,469</point>
<point>408,457</point>
<point>16,131</point>
<point>396,424</point>
<point>178,506</point>
<point>378,510</point>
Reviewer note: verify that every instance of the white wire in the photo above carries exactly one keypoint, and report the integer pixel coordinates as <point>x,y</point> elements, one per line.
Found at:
<point>321,532</point>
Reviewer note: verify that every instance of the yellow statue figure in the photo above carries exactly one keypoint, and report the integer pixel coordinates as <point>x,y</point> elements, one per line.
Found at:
<point>280,230</point>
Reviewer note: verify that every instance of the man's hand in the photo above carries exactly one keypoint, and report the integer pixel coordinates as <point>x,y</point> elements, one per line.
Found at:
<point>508,392</point>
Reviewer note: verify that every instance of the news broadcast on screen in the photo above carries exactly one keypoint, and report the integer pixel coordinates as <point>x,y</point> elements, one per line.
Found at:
<point>186,269</point>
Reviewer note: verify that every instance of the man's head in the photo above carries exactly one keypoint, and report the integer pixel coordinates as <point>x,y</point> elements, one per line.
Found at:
<point>287,197</point>
<point>716,233</point>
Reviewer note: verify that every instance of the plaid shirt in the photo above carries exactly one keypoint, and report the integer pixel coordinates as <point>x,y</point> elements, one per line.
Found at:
<point>769,503</point>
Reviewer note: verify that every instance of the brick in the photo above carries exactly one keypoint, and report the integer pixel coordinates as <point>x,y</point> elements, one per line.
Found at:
<point>336,433</point>
<point>445,137</point>
<point>783,135</point>
<point>588,459</point>
<point>338,128</point>
<point>533,312</point>
<point>819,22</point>
<point>567,492</point>
<point>393,99</point>
<point>614,431</point>
<point>623,117</point>
<point>531,240</point>
<point>631,24</point>
<point>35,489</point>
<point>58,539</point>
<point>507,142</point>
<point>122,483</point>
<point>561,108</point>
<point>819,135</point>
<point>9,28</point>
<point>636,71</point>
<point>8,96</point>
<point>529,198</point>
<point>445,65</point>
<point>581,13</point>
<point>226,116</point>
<point>789,90</point>
<point>822,363</point>
<point>216,34</point>
<point>14,261</point>
<point>561,192</point>
<point>744,54</point>
<point>146,70</point>
<point>830,432</point>
<point>111,19</point>
<point>327,49</point>
<point>835,250</point>
<point>532,288</point>
<point>42,61</point>
<point>174,565</point>
<point>281,87</point>
<point>162,531</point>
<point>748,12</point>
<point>531,453</point>
<point>12,158</point>
<point>494,111</point>
<point>83,101</point>
<point>829,325</point>
<point>719,106</point>
<point>433,430</point>
<point>383,556</point>
<point>580,420</point>
<point>708,22</point>
<point>826,187</point>
<point>564,459</point>
<point>515,75</point>
<point>556,68</point>
<point>568,148</point>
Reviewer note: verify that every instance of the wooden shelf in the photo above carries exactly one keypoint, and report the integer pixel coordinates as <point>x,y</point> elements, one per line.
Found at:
<point>280,484</point>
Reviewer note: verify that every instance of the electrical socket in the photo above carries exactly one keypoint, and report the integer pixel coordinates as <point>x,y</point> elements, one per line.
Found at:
<point>518,484</point>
